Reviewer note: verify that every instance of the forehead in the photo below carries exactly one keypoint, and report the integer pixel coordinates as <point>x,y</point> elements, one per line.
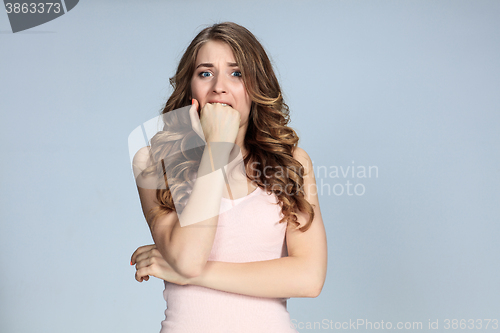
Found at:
<point>215,51</point>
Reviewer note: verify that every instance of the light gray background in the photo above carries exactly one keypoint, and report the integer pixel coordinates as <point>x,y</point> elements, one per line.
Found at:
<point>411,87</point>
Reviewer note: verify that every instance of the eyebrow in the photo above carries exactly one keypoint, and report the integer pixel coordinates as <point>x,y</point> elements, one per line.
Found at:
<point>209,64</point>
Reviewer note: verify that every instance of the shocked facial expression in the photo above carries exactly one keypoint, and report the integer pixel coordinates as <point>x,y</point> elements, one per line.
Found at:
<point>217,79</point>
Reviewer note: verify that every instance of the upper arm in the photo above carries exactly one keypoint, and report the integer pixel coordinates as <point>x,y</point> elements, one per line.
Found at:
<point>146,185</point>
<point>311,244</point>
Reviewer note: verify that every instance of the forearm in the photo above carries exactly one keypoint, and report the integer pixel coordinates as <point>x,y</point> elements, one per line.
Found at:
<point>187,246</point>
<point>281,278</point>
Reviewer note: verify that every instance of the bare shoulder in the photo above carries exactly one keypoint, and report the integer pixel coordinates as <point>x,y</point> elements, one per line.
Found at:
<point>140,162</point>
<point>299,152</point>
<point>309,183</point>
<point>303,158</point>
<point>141,159</point>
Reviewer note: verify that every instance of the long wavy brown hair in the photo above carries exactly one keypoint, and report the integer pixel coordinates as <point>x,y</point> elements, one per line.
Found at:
<point>269,140</point>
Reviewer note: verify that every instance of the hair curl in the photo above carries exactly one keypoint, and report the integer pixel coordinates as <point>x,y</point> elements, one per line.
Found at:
<point>269,140</point>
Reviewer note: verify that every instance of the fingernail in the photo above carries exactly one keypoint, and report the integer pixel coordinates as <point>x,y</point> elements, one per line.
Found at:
<point>192,101</point>
<point>131,262</point>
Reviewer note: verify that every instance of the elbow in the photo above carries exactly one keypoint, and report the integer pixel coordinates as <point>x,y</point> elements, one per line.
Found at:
<point>315,286</point>
<point>183,265</point>
<point>189,272</point>
<point>314,291</point>
<point>186,261</point>
<point>189,268</point>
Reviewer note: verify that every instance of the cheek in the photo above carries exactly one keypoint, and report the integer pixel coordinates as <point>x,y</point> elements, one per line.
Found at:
<point>196,89</point>
<point>243,94</point>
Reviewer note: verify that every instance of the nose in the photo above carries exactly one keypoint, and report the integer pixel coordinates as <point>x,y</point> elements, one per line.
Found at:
<point>219,84</point>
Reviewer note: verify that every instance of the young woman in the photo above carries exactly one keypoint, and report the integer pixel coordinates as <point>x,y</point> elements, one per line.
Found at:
<point>231,272</point>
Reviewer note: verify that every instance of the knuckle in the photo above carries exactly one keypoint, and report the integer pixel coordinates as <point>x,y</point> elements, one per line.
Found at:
<point>141,272</point>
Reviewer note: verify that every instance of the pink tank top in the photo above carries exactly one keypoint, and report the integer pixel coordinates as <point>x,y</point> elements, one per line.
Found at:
<point>249,231</point>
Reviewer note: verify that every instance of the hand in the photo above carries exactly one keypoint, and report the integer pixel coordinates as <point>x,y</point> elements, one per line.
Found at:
<point>219,123</point>
<point>148,261</point>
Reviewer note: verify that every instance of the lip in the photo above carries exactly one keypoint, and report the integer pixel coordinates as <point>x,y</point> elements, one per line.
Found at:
<point>216,101</point>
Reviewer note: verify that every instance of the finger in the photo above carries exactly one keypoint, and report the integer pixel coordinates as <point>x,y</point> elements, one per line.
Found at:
<point>194,115</point>
<point>150,257</point>
<point>145,262</point>
<point>144,273</point>
<point>197,105</point>
<point>195,108</point>
<point>139,251</point>
<point>143,257</point>
<point>141,274</point>
<point>156,253</point>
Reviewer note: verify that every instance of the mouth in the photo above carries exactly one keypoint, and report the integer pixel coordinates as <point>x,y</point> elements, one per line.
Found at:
<point>221,103</point>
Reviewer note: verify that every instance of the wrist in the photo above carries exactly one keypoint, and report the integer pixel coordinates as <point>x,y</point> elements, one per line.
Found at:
<point>217,155</point>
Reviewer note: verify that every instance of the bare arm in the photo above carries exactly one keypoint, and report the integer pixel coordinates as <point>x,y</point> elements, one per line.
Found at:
<point>301,274</point>
<point>187,247</point>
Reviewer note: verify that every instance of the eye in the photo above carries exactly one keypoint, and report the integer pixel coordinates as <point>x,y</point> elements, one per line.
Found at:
<point>237,73</point>
<point>204,74</point>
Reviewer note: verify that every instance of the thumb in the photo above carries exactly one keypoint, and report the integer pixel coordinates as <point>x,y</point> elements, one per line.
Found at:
<point>194,115</point>
<point>196,104</point>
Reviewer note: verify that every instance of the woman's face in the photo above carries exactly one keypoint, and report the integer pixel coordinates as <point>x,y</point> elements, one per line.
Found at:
<point>217,78</point>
